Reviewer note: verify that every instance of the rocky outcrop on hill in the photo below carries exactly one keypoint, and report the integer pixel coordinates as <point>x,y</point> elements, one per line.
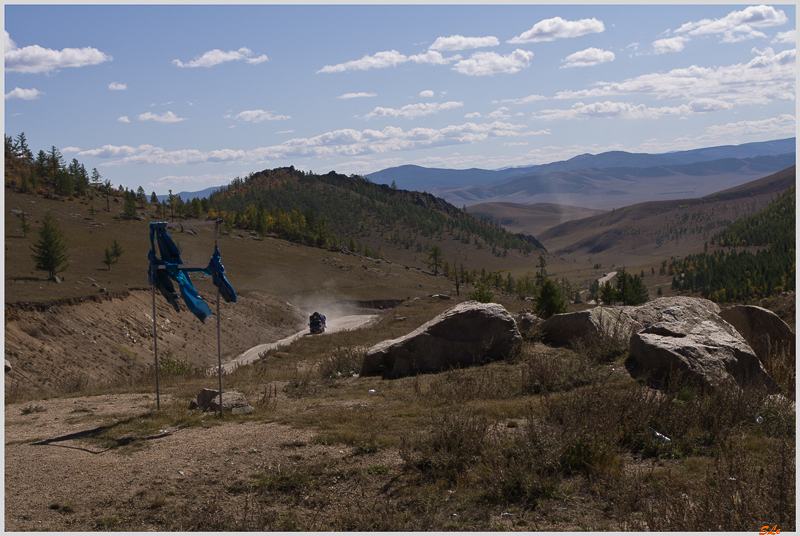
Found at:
<point>466,334</point>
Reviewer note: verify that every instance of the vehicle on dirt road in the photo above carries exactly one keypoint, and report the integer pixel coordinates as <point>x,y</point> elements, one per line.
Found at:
<point>316,323</point>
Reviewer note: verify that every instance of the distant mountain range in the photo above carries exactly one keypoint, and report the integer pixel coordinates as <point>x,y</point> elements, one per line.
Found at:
<point>601,181</point>
<point>607,188</point>
<point>419,178</point>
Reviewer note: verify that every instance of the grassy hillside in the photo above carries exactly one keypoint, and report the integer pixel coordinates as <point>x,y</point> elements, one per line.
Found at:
<point>532,219</point>
<point>331,210</point>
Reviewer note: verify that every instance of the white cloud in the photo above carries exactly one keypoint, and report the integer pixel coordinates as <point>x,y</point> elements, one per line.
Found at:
<point>776,127</point>
<point>111,151</point>
<point>459,42</point>
<point>608,109</point>
<point>257,116</point>
<point>426,94</point>
<point>587,58</point>
<point>36,59</point>
<point>216,57</point>
<point>166,117</point>
<point>24,94</point>
<point>356,95</point>
<point>524,100</point>
<point>473,115</point>
<point>670,44</point>
<point>558,28</point>
<point>411,111</point>
<point>500,113</point>
<point>70,150</point>
<point>765,78</point>
<point>433,57</point>
<point>123,119</point>
<point>345,142</point>
<point>490,63</point>
<point>737,25</point>
<point>196,182</point>
<point>117,86</point>
<point>788,37</point>
<point>709,105</point>
<point>388,58</point>
<point>380,60</point>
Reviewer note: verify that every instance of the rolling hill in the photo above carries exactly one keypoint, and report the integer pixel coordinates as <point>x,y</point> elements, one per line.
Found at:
<point>531,219</point>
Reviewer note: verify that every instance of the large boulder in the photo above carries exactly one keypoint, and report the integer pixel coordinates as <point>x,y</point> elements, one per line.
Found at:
<point>562,329</point>
<point>763,330</point>
<point>693,340</point>
<point>652,312</point>
<point>466,334</point>
<point>232,401</point>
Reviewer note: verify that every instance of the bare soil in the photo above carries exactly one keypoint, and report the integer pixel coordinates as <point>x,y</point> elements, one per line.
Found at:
<point>56,481</point>
<point>108,340</point>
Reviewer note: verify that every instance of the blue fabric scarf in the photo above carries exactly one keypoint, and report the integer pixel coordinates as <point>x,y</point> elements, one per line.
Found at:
<point>171,258</point>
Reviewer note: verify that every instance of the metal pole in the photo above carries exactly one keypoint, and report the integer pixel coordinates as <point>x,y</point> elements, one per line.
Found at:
<point>219,337</point>
<point>155,346</point>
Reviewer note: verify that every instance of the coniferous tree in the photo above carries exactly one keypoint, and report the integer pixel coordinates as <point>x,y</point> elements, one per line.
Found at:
<point>25,227</point>
<point>108,258</point>
<point>435,259</point>
<point>50,252</point>
<point>549,300</point>
<point>129,210</point>
<point>116,250</point>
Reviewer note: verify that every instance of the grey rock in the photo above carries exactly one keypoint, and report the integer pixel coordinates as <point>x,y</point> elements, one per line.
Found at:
<point>466,334</point>
<point>703,348</point>
<point>653,312</point>
<point>562,329</point>
<point>528,321</point>
<point>763,330</point>
<point>232,401</point>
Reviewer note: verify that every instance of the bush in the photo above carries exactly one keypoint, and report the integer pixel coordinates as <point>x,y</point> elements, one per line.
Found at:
<point>481,294</point>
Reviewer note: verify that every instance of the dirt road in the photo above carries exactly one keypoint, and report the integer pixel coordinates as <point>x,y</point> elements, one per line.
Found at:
<point>333,325</point>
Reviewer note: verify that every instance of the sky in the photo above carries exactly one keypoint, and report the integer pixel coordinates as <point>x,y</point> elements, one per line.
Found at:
<point>185,97</point>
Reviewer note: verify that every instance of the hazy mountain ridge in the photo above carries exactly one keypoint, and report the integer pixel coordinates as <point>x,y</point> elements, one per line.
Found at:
<point>421,178</point>
<point>606,188</point>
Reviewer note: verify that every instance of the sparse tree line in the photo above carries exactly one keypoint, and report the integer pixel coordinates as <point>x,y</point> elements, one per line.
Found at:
<point>47,174</point>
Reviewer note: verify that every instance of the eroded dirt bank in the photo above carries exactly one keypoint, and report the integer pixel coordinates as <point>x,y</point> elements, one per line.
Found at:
<point>110,341</point>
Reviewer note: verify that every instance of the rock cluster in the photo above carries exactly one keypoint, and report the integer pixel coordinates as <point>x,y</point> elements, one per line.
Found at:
<point>667,336</point>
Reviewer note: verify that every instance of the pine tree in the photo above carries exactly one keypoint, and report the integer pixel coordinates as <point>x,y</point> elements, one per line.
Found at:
<point>549,300</point>
<point>108,259</point>
<point>435,259</point>
<point>26,227</point>
<point>116,250</point>
<point>51,249</point>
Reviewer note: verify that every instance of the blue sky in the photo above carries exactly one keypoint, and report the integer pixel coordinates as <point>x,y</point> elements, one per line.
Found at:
<point>187,97</point>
